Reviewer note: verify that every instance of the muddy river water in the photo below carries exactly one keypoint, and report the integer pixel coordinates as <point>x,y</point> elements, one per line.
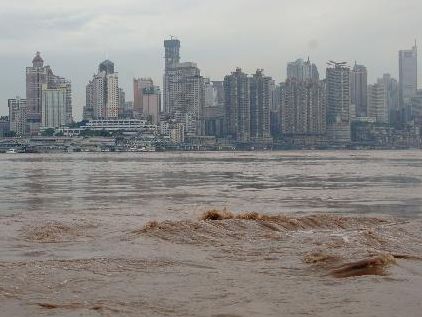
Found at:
<point>335,233</point>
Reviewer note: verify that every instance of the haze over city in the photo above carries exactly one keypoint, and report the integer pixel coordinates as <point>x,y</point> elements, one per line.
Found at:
<point>219,35</point>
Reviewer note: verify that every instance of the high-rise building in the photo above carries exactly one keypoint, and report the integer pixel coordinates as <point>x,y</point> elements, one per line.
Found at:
<point>238,106</point>
<point>183,90</point>
<point>359,84</point>
<point>186,96</point>
<point>338,102</point>
<point>152,103</point>
<point>122,102</point>
<point>102,93</point>
<point>18,112</point>
<point>377,105</point>
<point>302,70</point>
<point>213,113</point>
<point>408,79</point>
<point>303,107</point>
<point>139,84</point>
<point>36,77</point>
<point>261,88</point>
<point>416,106</point>
<point>53,114</point>
<point>391,90</point>
<point>107,67</point>
<point>172,57</point>
<point>4,126</point>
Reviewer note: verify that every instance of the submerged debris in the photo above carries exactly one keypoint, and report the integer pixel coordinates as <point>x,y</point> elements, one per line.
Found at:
<point>370,266</point>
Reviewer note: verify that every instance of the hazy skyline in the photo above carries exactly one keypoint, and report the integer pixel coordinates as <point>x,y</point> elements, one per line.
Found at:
<point>74,37</point>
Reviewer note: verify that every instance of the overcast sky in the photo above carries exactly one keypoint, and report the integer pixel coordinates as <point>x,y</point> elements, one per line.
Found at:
<point>74,36</point>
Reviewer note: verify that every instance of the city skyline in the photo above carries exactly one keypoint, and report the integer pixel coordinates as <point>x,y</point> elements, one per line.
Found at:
<point>70,43</point>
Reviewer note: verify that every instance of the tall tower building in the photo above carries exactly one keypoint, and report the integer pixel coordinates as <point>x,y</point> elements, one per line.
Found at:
<point>408,79</point>
<point>18,112</point>
<point>53,113</point>
<point>172,52</point>
<point>303,107</point>
<point>338,102</point>
<point>238,105</point>
<point>102,93</point>
<point>359,89</point>
<point>37,77</point>
<point>391,89</point>
<point>152,103</point>
<point>377,105</point>
<point>171,58</point>
<point>302,70</point>
<point>183,90</point>
<point>261,88</point>
<point>139,84</point>
<point>107,67</point>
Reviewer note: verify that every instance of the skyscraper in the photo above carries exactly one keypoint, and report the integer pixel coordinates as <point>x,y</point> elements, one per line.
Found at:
<point>152,103</point>
<point>391,90</point>
<point>359,84</point>
<point>36,77</point>
<point>377,105</point>
<point>238,105</point>
<point>171,57</point>
<point>53,114</point>
<point>102,93</point>
<point>408,79</point>
<point>139,84</point>
<point>260,104</point>
<point>302,70</point>
<point>338,102</point>
<point>183,90</point>
<point>18,112</point>
<point>213,113</point>
<point>107,67</point>
<point>303,107</point>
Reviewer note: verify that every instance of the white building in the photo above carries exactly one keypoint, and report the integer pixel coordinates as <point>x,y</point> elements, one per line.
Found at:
<point>102,93</point>
<point>377,105</point>
<point>53,114</point>
<point>338,103</point>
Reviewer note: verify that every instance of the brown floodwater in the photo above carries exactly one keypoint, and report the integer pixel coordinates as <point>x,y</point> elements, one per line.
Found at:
<point>211,234</point>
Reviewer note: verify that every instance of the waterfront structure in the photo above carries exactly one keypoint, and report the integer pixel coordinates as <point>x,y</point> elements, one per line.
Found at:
<point>302,70</point>
<point>139,84</point>
<point>261,88</point>
<point>238,106</point>
<point>377,105</point>
<point>119,125</point>
<point>151,103</point>
<point>53,112</point>
<point>102,93</point>
<point>36,77</point>
<point>338,103</point>
<point>18,113</point>
<point>408,79</point>
<point>359,92</point>
<point>303,108</point>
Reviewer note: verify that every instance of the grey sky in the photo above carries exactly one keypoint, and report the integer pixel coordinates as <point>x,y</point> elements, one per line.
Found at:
<point>74,36</point>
